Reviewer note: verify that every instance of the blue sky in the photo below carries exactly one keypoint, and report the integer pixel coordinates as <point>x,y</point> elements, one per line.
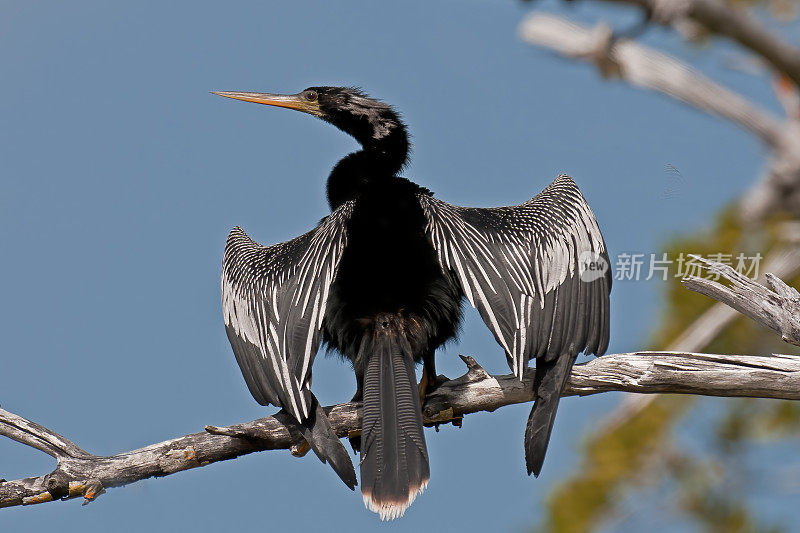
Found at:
<point>121,176</point>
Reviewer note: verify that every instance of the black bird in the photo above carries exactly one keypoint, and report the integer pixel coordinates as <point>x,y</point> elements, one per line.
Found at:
<point>381,280</point>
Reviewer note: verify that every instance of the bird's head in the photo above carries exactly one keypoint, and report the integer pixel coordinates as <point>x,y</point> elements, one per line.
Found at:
<point>371,122</point>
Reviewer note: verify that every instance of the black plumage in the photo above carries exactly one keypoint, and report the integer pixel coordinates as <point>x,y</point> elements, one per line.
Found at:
<point>381,280</point>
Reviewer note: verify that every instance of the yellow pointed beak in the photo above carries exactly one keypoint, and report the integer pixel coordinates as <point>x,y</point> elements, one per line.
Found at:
<point>290,101</point>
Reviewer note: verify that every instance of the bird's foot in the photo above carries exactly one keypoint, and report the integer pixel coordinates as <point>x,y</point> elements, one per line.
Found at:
<point>354,436</point>
<point>429,384</point>
<point>299,449</point>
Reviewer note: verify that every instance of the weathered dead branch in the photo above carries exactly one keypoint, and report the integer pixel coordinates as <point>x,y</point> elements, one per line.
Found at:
<point>81,474</point>
<point>644,67</point>
<point>641,66</point>
<point>776,307</point>
<point>726,20</point>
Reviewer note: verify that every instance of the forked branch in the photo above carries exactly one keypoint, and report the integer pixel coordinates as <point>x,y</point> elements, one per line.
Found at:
<point>776,307</point>
<point>81,474</point>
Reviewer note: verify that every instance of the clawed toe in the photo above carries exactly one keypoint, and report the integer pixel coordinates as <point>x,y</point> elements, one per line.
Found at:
<point>429,384</point>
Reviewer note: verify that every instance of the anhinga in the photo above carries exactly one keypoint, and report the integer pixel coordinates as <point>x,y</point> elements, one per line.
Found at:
<point>381,280</point>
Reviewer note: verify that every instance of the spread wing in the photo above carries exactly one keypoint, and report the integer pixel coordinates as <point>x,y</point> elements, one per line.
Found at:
<point>273,302</point>
<point>534,271</point>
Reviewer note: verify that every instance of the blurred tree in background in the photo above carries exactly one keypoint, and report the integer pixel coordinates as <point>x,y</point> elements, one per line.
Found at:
<point>638,468</point>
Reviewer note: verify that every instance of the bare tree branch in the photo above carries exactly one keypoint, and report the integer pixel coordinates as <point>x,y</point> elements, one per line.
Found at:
<point>779,185</point>
<point>39,437</point>
<point>778,188</point>
<point>700,333</point>
<point>79,473</point>
<point>721,18</point>
<point>82,474</point>
<point>777,309</point>
<point>647,68</point>
<point>783,263</point>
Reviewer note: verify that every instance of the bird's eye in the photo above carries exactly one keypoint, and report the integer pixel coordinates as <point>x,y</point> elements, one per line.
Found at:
<point>311,96</point>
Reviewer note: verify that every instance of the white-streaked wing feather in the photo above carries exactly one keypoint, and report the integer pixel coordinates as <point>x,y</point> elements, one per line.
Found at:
<point>520,267</point>
<point>273,303</point>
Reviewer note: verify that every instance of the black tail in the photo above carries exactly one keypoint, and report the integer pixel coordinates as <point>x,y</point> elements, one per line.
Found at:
<point>550,379</point>
<point>318,432</point>
<point>394,458</point>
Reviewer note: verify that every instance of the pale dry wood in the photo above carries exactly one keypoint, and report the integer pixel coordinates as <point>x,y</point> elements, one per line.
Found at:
<point>724,19</point>
<point>81,474</point>
<point>777,188</point>
<point>644,67</point>
<point>785,262</point>
<point>776,307</point>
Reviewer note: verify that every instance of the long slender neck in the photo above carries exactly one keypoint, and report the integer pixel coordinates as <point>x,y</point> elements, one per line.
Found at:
<point>381,158</point>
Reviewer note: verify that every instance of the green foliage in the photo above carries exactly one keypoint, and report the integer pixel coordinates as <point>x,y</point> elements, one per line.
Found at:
<point>611,459</point>
<point>714,509</point>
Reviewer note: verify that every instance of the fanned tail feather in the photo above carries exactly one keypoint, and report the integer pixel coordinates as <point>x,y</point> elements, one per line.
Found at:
<point>394,457</point>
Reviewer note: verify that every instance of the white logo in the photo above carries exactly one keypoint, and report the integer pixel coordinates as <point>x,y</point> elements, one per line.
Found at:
<point>592,266</point>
